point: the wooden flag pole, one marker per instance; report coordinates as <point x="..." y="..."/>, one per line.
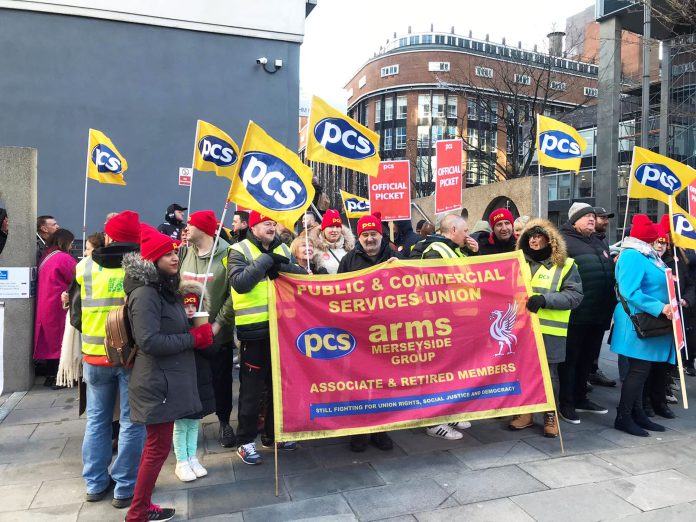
<point x="84" y="210"/>
<point x="212" y="253"/>
<point x="193" y="170"/>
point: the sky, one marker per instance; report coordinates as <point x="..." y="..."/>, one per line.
<point x="341" y="35"/>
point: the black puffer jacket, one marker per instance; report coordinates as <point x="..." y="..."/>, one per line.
<point x="406" y="237"/>
<point x="357" y="259"/>
<point x="163" y="385"/>
<point x="421" y="246"/>
<point x="489" y="244"/>
<point x="597" y="273"/>
<point x="171" y="227"/>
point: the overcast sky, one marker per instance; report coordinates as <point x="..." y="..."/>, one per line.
<point x="341" y="35"/>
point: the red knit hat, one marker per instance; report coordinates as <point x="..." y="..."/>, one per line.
<point x="154" y="244"/>
<point x="369" y="222"/>
<point x="205" y="221"/>
<point x="644" y="229"/>
<point x="500" y="214"/>
<point x="124" y="227"/>
<point x="331" y="219"/>
<point x="664" y="228"/>
<point x="255" y="218"/>
<point x="192" y="298"/>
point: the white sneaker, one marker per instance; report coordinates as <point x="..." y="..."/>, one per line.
<point x="184" y="472"/>
<point x="461" y="425"/>
<point x="197" y="468"/>
<point x="444" y="431"/>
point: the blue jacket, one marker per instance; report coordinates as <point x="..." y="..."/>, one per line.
<point x="642" y="284"/>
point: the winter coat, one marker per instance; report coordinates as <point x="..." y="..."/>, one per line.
<point x="357" y="259"/>
<point x="171" y="226"/>
<point x="597" y="273"/>
<point x="193" y="267"/>
<point x="56" y="273"/>
<point x="163" y="385"/>
<point x="406" y="237"/>
<point x="420" y="247"/>
<point x="568" y="297"/>
<point x="3" y="235"/>
<point x="641" y="281"/>
<point x="489" y="244"/>
<point x="326" y="254"/>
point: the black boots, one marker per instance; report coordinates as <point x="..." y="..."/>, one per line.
<point x="642" y="420"/>
<point x="626" y="423"/>
<point x="663" y="410"/>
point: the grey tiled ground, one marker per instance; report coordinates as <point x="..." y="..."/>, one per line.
<point x="491" y="474"/>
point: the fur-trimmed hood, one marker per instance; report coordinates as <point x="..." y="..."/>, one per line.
<point x="141" y="272"/>
<point x="559" y="253"/>
<point x="321" y="245"/>
<point x="189" y="286"/>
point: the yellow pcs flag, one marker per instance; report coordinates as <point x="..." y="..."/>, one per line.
<point x="683" y="226"/>
<point x="654" y="176"/>
<point x="271" y="179"/>
<point x="336" y="139"/>
<point x="104" y="162"/>
<point x="558" y="144"/>
<point x="215" y="151"/>
<point x="355" y="206"/>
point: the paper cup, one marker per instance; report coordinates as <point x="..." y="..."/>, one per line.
<point x="200" y="318"/>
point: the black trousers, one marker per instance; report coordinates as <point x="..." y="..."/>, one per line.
<point x="657" y="383"/>
<point x="254" y="378"/>
<point x="221" y="366"/>
<point x="583" y="345"/>
<point x="632" y="388"/>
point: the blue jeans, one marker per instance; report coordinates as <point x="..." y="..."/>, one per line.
<point x="103" y="383"/>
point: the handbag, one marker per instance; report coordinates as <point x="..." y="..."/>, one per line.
<point x="646" y="325"/>
<point x="119" y="342"/>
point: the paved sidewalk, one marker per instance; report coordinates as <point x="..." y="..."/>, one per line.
<point x="491" y="474"/>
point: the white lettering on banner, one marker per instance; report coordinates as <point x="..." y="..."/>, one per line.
<point x="550" y="142"/>
<point x="449" y="182"/>
<point x="389" y="196"/>
<point x="256" y="172"/>
<point x="653" y="174"/>
<point x="453" y="169"/>
<point x="389" y="186"/>
<point x="350" y="139"/>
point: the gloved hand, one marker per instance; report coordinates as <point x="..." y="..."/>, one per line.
<point x="272" y="272"/>
<point x="535" y="302"/>
<point x="278" y="259"/>
<point x="202" y="336"/>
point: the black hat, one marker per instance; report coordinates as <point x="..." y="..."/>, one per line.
<point x="174" y="206"/>
<point x="537" y="230"/>
<point x="601" y="211"/>
<point x="420" y="224"/>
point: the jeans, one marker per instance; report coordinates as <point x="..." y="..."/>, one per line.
<point x="103" y="383"/>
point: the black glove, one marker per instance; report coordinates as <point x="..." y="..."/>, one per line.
<point x="278" y="259"/>
<point x="272" y="272"/>
<point x="535" y="302"/>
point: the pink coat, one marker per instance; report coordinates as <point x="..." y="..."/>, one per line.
<point x="56" y="273"/>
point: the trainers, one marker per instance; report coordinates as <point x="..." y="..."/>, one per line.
<point x="155" y="512"/>
<point x="520" y="422"/>
<point x="600" y="379"/>
<point x="690" y="370"/>
<point x="444" y="431"/>
<point x="550" y="425"/>
<point x="184" y="472"/>
<point x="568" y="414"/>
<point x="226" y="435"/>
<point x="96" y="497"/>
<point x="461" y="425"/>
<point x="122" y="503"/>
<point x="382" y="441"/>
<point x="283" y="446"/>
<point x="670" y="398"/>
<point x="587" y="406"/>
<point x="197" y="468"/>
<point x="248" y="454"/>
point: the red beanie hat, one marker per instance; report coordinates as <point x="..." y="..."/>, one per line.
<point x="255" y="218"/>
<point x="331" y="219"/>
<point x="663" y="228"/>
<point x="369" y="222"/>
<point x="500" y="214"/>
<point x="124" y="227"/>
<point x="644" y="229"/>
<point x="205" y="221"/>
<point x="154" y="244"/>
<point x="193" y="299"/>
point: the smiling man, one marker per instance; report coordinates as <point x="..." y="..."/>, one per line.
<point x="501" y="239"/>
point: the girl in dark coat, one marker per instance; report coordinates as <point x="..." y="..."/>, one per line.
<point x="163" y="386"/>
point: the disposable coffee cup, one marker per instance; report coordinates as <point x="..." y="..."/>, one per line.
<point x="200" y="318"/>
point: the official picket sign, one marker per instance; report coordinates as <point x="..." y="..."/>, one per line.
<point x="405" y="344"/>
<point x="448" y="175"/>
<point x="184" y="177"/>
<point x="692" y="199"/>
<point x="390" y="190"/>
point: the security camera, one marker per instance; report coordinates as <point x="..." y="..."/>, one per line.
<point x="262" y="61"/>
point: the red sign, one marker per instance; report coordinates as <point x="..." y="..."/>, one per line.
<point x="405" y="344"/>
<point x="676" y="316"/>
<point x="692" y="199"/>
<point x="448" y="176"/>
<point x="184" y="177"/>
<point x="390" y="190"/>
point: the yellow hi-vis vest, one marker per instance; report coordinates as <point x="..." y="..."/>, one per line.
<point x="252" y="307"/>
<point x="101" y="290"/>
<point x="545" y="281"/>
<point x="444" y="250"/>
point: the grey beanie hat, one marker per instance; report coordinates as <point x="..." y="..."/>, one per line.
<point x="482" y="226"/>
<point x="577" y="210"/>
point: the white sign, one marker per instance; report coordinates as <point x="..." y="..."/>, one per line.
<point x="17" y="282"/>
<point x="184" y="176"/>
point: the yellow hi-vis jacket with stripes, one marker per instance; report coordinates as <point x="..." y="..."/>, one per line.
<point x="101" y="290"/>
<point x="444" y="250"/>
<point x="545" y="281"/>
<point x="252" y="307"/>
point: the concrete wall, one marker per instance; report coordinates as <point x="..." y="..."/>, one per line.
<point x="144" y="87"/>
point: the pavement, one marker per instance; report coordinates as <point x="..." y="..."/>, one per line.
<point x="492" y="474"/>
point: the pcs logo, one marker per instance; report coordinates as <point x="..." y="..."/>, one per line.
<point x="324" y="342"/>
<point x="683" y="227"/>
<point x="356" y="205"/>
<point x="217" y="151"/>
<point x="559" y="145"/>
<point x="659" y="177"/>
<point x="339" y="136"/>
<point x="106" y="159"/>
<point x="272" y="182"/>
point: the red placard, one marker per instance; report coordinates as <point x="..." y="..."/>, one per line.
<point x="390" y="190"/>
<point x="676" y="316"/>
<point x="184" y="177"/>
<point x="692" y="199"/>
<point x="448" y="176"/>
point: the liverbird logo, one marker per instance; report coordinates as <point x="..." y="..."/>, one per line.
<point x="501" y="328"/>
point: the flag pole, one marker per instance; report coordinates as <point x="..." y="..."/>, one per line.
<point x="306" y="234"/>
<point x="193" y="162"/>
<point x="676" y="272"/>
<point x="212" y="253"/>
<point x="539" y="185"/>
<point x="84" y="210"/>
<point x="628" y="196"/>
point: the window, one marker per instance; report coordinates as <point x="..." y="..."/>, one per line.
<point x="439" y="39"/>
<point x="471" y="109"/>
<point x="390" y="70"/>
<point x="589" y="136"/>
<point x="439" y="106"/>
<point x="590" y="92"/>
<point x="451" y="132"/>
<point x="558" y="86"/>
<point x="423" y="136"/>
<point x="413" y="40"/>
<point x="472" y="138"/>
<point x="438" y="66"/>
<point x="524" y="79"/>
<point x="452" y="107"/>
<point x="438" y="133"/>
<point x="349" y="93"/>
<point x="424" y="106"/>
<point x="494" y="111"/>
<point x="401" y="137"/>
<point x="387" y="141"/>
<point x="401" y="108"/>
<point x="378" y="111"/>
<point x="388" y="109"/>
<point x="361" y="82"/>
<point x="583" y="184"/>
<point x="427" y="38"/>
<point x="483" y="72"/>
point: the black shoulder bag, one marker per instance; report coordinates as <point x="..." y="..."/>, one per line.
<point x="646" y="325"/>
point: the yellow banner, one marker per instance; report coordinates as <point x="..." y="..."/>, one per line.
<point x="558" y="144"/>
<point x="683" y="226"/>
<point x="654" y="176"/>
<point x="271" y="179"/>
<point x="215" y="151"/>
<point x="336" y="139"/>
<point x="355" y="206"/>
<point x="104" y="162"/>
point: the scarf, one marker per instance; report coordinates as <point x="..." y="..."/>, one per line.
<point x="644" y="248"/>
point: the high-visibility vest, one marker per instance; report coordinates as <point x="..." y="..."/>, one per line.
<point x="252" y="307"/>
<point x="545" y="281"/>
<point x="444" y="250"/>
<point x="101" y="290"/>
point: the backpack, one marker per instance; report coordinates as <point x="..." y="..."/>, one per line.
<point x="119" y="343"/>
